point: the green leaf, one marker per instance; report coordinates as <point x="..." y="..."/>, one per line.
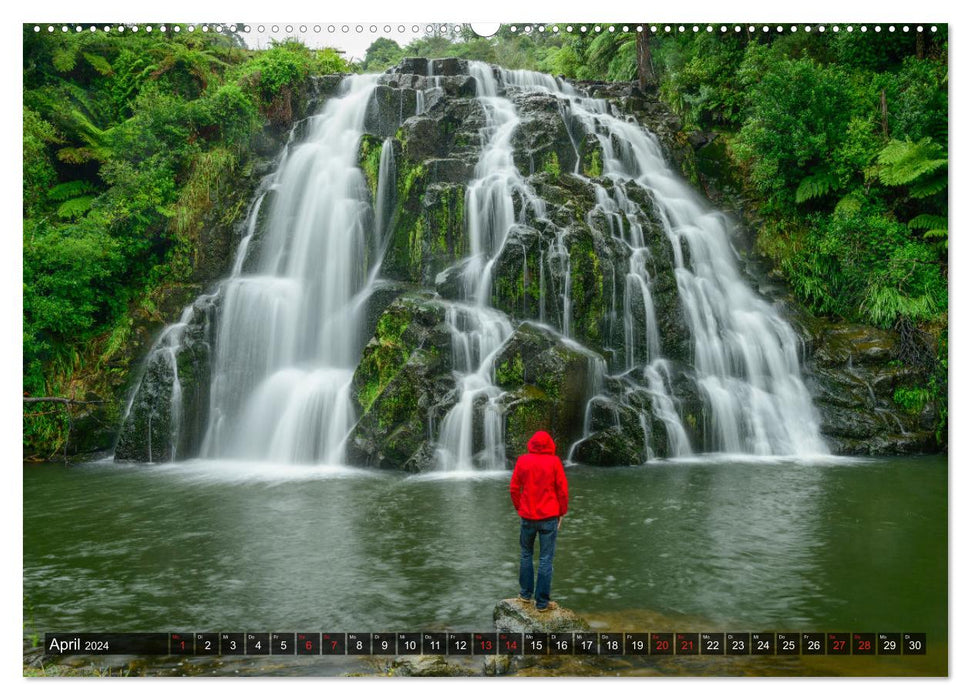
<point x="931" y="187"/>
<point x="928" y="221"/>
<point x="75" y="156"/>
<point x="850" y="204"/>
<point x="905" y="162"/>
<point x="68" y="190"/>
<point x="73" y="208"/>
<point x="814" y="186"/>
<point x="99" y="63"/>
<point x="65" y="58"/>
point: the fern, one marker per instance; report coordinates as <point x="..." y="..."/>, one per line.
<point x="69" y="190"/>
<point x="931" y="187"/>
<point x="928" y="221"/>
<point x="849" y="204"/>
<point x="882" y="304"/>
<point x="95" y="139"/>
<point x="99" y="63"/>
<point x="907" y="162"/>
<point x="73" y="208"/>
<point x="814" y="186"/>
<point x="65" y="58"/>
<point x="76" y="156"/>
<point x="934" y="226"/>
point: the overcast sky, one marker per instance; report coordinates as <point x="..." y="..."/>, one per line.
<point x="353" y="39"/>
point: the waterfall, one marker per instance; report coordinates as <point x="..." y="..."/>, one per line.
<point x="289" y="333"/>
<point x="282" y="336"/>
<point x="744" y="354"/>
<point x="383" y="205"/>
<point x="479" y="331"/>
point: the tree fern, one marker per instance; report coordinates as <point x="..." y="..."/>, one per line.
<point x="927" y="221"/>
<point x="931" y="186"/>
<point x="907" y="162"/>
<point x="65" y="58"/>
<point x="68" y="190"/>
<point x="934" y="226"/>
<point x="814" y="186"/>
<point x="99" y="63"/>
<point x="94" y="139"/>
<point x="849" y="204"/>
<point x="882" y="304"/>
<point x="75" y="207"/>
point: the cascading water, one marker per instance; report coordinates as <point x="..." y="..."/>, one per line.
<point x="289" y="333"/>
<point x="745" y="354"/>
<point x="284" y="333"/>
<point x="479" y="331"/>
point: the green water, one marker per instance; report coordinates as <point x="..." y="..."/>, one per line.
<point x="849" y="545"/>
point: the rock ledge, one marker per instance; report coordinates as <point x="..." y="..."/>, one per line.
<point x="514" y="615"/>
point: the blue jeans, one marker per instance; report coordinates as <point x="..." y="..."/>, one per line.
<point x="546" y="529"/>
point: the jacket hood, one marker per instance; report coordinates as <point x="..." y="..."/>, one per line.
<point x="541" y="443"/>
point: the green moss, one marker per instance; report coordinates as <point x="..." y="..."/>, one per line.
<point x="551" y="384"/>
<point x="447" y="221"/>
<point x="402" y="256"/>
<point x="911" y="399"/>
<point x="396" y="405"/>
<point x="510" y="372"/>
<point x="587" y="289"/>
<point x="593" y="162"/>
<point x="528" y="415"/>
<point x="384" y="357"/>
<point x="514" y="290"/>
<point x="551" y="165"/>
<point x="409" y="177"/>
<point x="370" y="161"/>
<point x="415" y="244"/>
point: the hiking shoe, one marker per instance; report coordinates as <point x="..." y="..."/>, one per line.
<point x="551" y="606"/>
<point x="525" y="600"/>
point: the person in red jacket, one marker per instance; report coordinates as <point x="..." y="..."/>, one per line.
<point x="539" y="493"/>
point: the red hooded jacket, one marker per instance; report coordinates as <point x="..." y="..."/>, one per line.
<point x="538" y="487"/>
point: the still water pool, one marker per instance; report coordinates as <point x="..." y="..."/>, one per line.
<point x="718" y="545"/>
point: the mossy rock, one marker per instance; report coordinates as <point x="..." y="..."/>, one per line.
<point x="541" y="142"/>
<point x="148" y="433"/>
<point x="611" y="447"/>
<point x="402" y="382"/>
<point x="387" y="109"/>
<point x="548" y="382"/>
<point x="516" y="275"/>
<point x="839" y="344"/>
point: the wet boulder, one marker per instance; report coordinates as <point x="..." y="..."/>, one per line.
<point x="401" y="385"/>
<point x="515" y="615"/>
<point x="548" y="380"/>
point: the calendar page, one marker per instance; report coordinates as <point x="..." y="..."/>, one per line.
<point x="415" y="348"/>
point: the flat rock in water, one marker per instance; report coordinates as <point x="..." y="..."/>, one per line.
<point x="514" y="615"/>
<point x="428" y="666"/>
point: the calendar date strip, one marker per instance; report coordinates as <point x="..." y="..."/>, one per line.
<point x="488" y="643"/>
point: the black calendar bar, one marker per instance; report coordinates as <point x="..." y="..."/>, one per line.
<point x="893" y="644"/>
<point x="86" y="644"/>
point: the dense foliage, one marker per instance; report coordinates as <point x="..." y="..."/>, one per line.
<point x="123" y="137"/>
<point x="842" y="139"/>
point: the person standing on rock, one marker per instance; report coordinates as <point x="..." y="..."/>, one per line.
<point x="539" y="494"/>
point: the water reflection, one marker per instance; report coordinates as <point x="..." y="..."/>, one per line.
<point x="757" y="545"/>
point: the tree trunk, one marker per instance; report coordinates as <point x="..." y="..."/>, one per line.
<point x="883" y="115"/>
<point x="645" y="69"/>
